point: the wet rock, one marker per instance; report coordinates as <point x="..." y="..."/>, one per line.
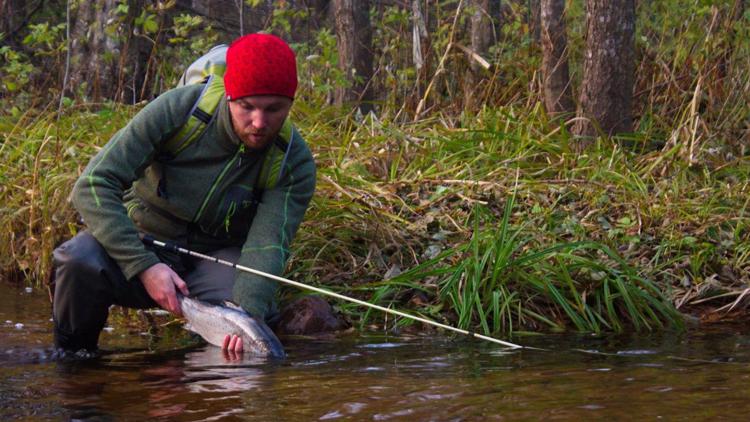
<point x="309" y="315"/>
<point x="63" y="355"/>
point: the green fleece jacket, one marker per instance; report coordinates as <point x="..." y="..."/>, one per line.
<point x="199" y="198"/>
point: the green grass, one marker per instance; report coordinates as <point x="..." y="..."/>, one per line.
<point x="499" y="226"/>
<point x="41" y="159"/>
<point x="591" y="242"/>
<point x="500" y="281"/>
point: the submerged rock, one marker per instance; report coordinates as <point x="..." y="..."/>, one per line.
<point x="309" y="315"/>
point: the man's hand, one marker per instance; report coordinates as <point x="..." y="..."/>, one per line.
<point x="232" y="347"/>
<point x="160" y="282"/>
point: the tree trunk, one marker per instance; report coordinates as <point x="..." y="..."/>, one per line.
<point x="482" y="34"/>
<point x="14" y="16"/>
<point x="535" y="20"/>
<point x="116" y="66"/>
<point x="93" y="52"/>
<point x="736" y="12"/>
<point x="10" y="12"/>
<point x="482" y="28"/>
<point x="320" y="13"/>
<point x="558" y="97"/>
<point x="225" y="14"/>
<point x="7" y="13"/>
<point x="354" y="40"/>
<point x="739" y="9"/>
<point x="421" y="52"/>
<point x="608" y="70"/>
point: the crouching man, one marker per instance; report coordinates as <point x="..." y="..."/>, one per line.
<point x="233" y="182"/>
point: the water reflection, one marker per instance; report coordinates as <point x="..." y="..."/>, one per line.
<point x="80" y="393"/>
<point x="157" y="385"/>
<point x="209" y="371"/>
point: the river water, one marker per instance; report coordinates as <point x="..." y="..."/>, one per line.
<point x="700" y="374"/>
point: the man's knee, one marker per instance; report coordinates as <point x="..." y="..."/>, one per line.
<point x="83" y="292"/>
<point x="83" y="268"/>
<point x="210" y="281"/>
<point x="82" y="253"/>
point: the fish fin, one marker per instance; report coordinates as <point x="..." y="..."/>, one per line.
<point x="231" y="305"/>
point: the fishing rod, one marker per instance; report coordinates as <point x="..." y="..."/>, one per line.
<point x="149" y="240"/>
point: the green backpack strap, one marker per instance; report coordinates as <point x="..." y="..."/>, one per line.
<point x="272" y="169"/>
<point x="203" y="112"/>
<point x="275" y="159"/>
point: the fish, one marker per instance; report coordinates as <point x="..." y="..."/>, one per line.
<point x="214" y="322"/>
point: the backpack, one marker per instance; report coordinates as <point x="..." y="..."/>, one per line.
<point x="209" y="70"/>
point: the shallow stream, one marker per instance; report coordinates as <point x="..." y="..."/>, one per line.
<point x="701" y="374"/>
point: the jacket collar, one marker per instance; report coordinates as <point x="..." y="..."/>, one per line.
<point x="230" y="140"/>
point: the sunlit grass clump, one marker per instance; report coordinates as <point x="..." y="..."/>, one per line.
<point x="41" y="157"/>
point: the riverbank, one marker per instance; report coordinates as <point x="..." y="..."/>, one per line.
<point x="491" y="222"/>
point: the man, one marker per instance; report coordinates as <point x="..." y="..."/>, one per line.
<point x="205" y="198"/>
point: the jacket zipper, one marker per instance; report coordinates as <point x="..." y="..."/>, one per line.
<point x="226" y="168"/>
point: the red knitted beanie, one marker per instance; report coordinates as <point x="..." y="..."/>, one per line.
<point x="260" y="64"/>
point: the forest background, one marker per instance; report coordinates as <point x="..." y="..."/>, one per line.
<point x="503" y="166"/>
